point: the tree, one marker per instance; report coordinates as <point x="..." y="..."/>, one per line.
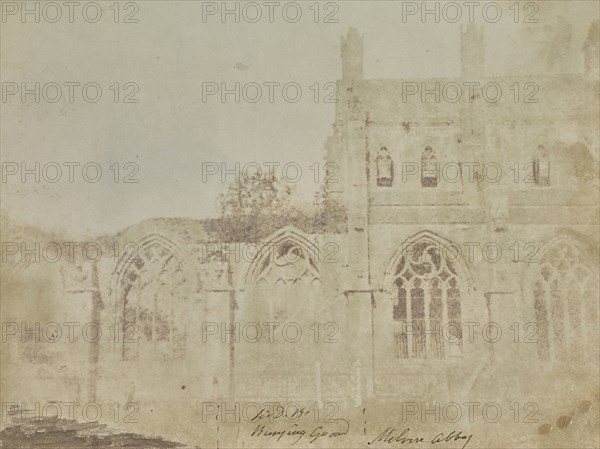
<point x="254" y="208"/>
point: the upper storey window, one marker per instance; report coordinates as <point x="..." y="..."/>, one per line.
<point x="429" y="168"/>
<point x="385" y="168"/>
<point x="541" y="167"/>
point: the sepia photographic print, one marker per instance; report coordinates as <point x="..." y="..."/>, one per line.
<point x="300" y="224"/>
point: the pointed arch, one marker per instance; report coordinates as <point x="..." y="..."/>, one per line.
<point x="133" y="252"/>
<point x="149" y="283"/>
<point x="446" y="248"/>
<point x="287" y="255"/>
<point x="561" y="292"/>
<point x="282" y="286"/>
<point x="428" y="283"/>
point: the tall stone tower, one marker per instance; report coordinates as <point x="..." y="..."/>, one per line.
<point x="472" y="60"/>
<point x="347" y="148"/>
<point x="352" y="56"/>
<point x="472" y="51"/>
<point x="591" y="50"/>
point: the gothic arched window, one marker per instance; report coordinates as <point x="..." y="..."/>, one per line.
<point x="429" y="168"/>
<point x="541" y="167"/>
<point x="385" y="168"/>
<point x="565" y="294"/>
<point x="284" y="295"/>
<point x="427" y="302"/>
<point x="287" y="282"/>
<point x="151" y="287"/>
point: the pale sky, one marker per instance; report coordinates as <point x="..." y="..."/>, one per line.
<point x="170" y="132"/>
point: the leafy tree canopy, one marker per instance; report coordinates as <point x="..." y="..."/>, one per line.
<point x="254" y="208"/>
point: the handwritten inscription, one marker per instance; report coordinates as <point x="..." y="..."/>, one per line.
<point x="391" y="435"/>
<point x="297" y="432"/>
